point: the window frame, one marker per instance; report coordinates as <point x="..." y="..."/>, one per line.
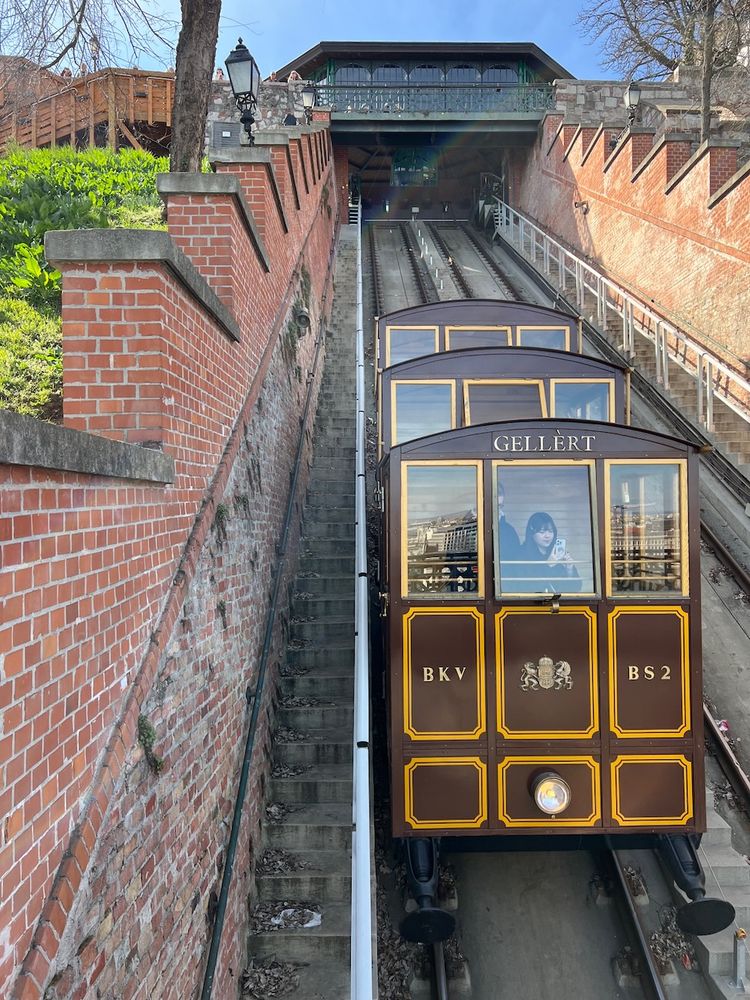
<point x="590" y="463"/>
<point x="490" y="329"/>
<point x="558" y="327"/>
<point x="471" y="596"/>
<point x="391" y="327"/>
<point x="420" y="381"/>
<point x="468" y="382"/>
<point x="682" y="482"/>
<point x="609" y="382"/>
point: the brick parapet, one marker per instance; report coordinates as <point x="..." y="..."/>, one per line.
<point x="96" y="571"/>
<point x="671" y="224"/>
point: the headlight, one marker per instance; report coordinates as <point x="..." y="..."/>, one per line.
<point x="551" y="793"/>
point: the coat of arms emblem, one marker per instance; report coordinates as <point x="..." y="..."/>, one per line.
<point x="546" y="675"/>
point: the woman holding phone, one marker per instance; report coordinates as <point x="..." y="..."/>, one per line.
<point x="545" y="564"/>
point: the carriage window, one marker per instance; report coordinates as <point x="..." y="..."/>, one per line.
<point x="583" y="400"/>
<point x="543" y="532"/>
<point x="457" y="337"/>
<point x="442" y="522"/>
<point x="405" y="343"/>
<point x="420" y="408"/>
<point x="509" y="399"/>
<point x="647" y="525"/>
<point x="555" y="337"/>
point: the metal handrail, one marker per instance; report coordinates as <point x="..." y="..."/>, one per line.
<point x="714" y="378"/>
<point x="361" y="928"/>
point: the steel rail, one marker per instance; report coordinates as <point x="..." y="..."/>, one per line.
<point x="490" y="263"/>
<point x="455" y="270"/>
<point x="362" y="964"/>
<point x="257" y="694"/>
<point x="377" y="286"/>
<point x="648" y="961"/>
<point x="428" y="292"/>
<point x="441" y="975"/>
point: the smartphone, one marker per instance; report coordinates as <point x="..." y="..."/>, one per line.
<point x="558" y="549"/>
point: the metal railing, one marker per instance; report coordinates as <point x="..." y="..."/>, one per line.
<point x="362" y="942"/>
<point x="714" y="378"/>
<point x="367" y="98"/>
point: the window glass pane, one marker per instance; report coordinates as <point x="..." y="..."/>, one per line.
<point x="459" y="339"/>
<point x="530" y="336"/>
<point x="352" y="73"/>
<point x="388" y="74"/>
<point x="500" y="74"/>
<point x="645" y="528"/>
<point x="441" y="526"/>
<point x="426" y="74"/>
<point x="406" y="344"/>
<point x="420" y="410"/>
<point x="543" y="529"/>
<point x="462" y="74"/>
<point x="509" y="401"/>
<point x="581" y="400"/>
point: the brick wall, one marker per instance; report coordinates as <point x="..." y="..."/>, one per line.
<point x="671" y="224"/>
<point x="124" y="597"/>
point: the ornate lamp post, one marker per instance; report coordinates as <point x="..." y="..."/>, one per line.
<point x="244" y="77"/>
<point x="308" y="102"/>
<point x="632" y="98"/>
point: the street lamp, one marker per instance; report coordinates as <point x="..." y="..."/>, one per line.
<point x="632" y="98"/>
<point x="308" y="101"/>
<point x="244" y="77"/>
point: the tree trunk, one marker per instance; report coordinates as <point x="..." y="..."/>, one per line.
<point x="707" y="68"/>
<point x="194" y="66"/>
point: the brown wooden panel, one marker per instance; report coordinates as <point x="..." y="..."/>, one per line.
<point x="546" y="673"/>
<point x="444" y="674"/>
<point x="649" y="672"/>
<point x="445" y="793"/>
<point x="651" y="790"/>
<point x="516" y="804"/>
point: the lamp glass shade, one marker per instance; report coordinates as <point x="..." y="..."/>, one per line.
<point x="632" y="95"/>
<point x="244" y="75"/>
<point x="308" y="97"/>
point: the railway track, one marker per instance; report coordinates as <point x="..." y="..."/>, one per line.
<point x="452" y="241"/>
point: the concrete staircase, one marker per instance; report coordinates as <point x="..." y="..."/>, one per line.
<point x="308" y="829"/>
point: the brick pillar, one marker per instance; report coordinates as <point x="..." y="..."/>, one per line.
<point x="678" y="152"/>
<point x="722" y="164"/>
<point x="641" y="144"/>
<point x="587" y="137"/>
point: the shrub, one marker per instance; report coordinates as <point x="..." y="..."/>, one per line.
<point x="30" y="360"/>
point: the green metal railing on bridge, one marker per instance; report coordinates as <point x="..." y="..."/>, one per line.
<point x="477" y="98"/>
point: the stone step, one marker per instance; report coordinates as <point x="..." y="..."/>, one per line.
<point x="326" y="878"/>
<point x="316" y="557"/>
<point x="324" y="586"/>
<point x="319" y="606"/>
<point x="729" y="868"/>
<point x="330" y="511"/>
<point x="316" y="684"/>
<point x="316" y="527"/>
<point x="314" y="786"/>
<point x="319" y="825"/>
<point x="316" y="753"/>
<point x="314" y="718"/>
<point x="329" y="940"/>
<point x="718" y="832"/>
<point x="335" y="656"/>
<point x="714" y="952"/>
<point x="323" y="630"/>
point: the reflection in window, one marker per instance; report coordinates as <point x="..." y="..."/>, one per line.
<point x="489" y="401"/>
<point x="543" y="528"/>
<point x="500" y="74"/>
<point x="462" y="74"/>
<point x="421" y="408"/>
<point x="539" y="336"/>
<point x="389" y="73"/>
<point x="405" y="343"/>
<point x="582" y="400"/>
<point x="645" y="515"/>
<point x="426" y="74"/>
<point x="458" y="338"/>
<point x="442" y="555"/>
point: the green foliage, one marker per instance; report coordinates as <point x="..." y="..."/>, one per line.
<point x="43" y="189"/>
<point x="147" y="738"/>
<point x="30" y="360"/>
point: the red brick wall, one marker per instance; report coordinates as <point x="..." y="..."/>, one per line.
<point x="113" y="592"/>
<point x="677" y="244"/>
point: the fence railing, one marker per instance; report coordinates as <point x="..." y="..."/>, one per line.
<point x="362" y="958"/>
<point x="366" y="98"/>
<point x="714" y="379"/>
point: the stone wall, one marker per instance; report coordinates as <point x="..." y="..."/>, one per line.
<point x="135" y="599"/>
<point x="276" y="102"/>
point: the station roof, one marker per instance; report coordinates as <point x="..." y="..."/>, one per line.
<point x="319" y="54"/>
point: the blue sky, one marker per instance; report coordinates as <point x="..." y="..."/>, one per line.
<point x="276" y="32"/>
